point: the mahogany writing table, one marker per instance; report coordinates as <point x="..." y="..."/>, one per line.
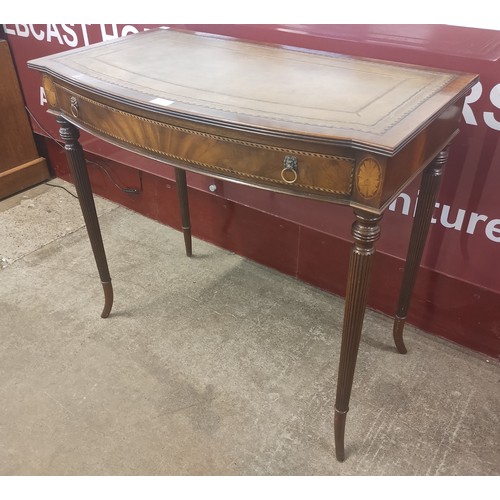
<point x="335" y="128"/>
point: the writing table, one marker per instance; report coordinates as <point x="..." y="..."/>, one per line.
<point x="330" y="127"/>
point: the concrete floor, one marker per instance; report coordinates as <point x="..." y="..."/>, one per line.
<point x="213" y="365"/>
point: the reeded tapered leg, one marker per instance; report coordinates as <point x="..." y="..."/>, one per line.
<point x="180" y="178"/>
<point x="429" y="189"/>
<point x="74" y="153"/>
<point x="366" y="231"/>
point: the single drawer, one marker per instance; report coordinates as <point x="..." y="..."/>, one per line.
<point x="249" y="162"/>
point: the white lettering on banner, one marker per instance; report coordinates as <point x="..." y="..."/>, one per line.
<point x="451" y="219"/>
<point x="22" y="30"/>
<point x="39" y="36"/>
<point x="85" y="34"/>
<point x="126" y="30"/>
<point x="129" y="30"/>
<point x="473" y="220"/>
<point x="71" y="35"/>
<point x="43" y="98"/>
<point x="475" y="94"/>
<point x="493" y="227"/>
<point x="52" y="31"/>
<point x="65" y="35"/>
<point x="104" y="33"/>
<point x="488" y="116"/>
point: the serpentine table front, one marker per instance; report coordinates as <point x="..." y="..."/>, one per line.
<point x="318" y="125"/>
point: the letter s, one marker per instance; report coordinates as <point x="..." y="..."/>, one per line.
<point x="72" y="39"/>
<point x="489" y="117"/>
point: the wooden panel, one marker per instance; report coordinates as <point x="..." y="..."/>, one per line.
<point x="23" y="176"/>
<point x="20" y="165"/>
<point x="16" y="142"/>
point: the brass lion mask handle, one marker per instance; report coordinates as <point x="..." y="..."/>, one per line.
<point x="289" y="174"/>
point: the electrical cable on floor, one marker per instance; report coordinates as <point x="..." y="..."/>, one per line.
<point x="91" y="162"/>
<point x="123" y="189"/>
<point x="62" y="187"/>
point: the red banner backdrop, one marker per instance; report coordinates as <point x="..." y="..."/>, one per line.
<point x="458" y="293"/>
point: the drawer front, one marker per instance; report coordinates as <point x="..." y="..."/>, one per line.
<point x="249" y="162"/>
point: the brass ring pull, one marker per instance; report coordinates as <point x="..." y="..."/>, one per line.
<point x="290" y="167"/>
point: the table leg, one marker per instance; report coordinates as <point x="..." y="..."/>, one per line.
<point x="74" y="153"/>
<point x="180" y="178"/>
<point x="366" y="232"/>
<point x="429" y="188"/>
